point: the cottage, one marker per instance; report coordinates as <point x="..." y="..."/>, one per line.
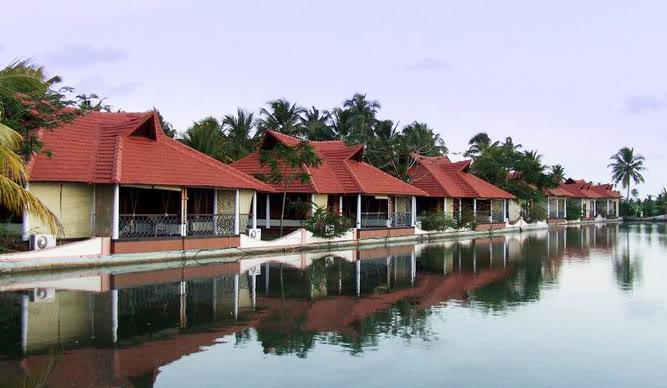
<point x="342" y="183"/>
<point x="118" y="175"/>
<point x="593" y="200"/>
<point x="452" y="189"/>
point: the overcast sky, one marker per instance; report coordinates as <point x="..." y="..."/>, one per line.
<point x="575" y="80"/>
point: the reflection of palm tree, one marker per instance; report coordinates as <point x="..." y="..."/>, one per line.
<point x="626" y="268"/>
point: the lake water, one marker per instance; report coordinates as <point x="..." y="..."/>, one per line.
<point x="582" y="306"/>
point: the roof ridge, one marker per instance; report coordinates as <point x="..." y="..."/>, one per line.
<point x="311" y="182"/>
<point x="354" y="177"/>
<point x="117" y="159"/>
<point x="430" y="172"/>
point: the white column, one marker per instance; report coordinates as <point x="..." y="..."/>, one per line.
<point x="115" y="218"/>
<point x="25" y="222"/>
<point x="616" y="207"/>
<point x="340" y="205"/>
<point x="565" y="208"/>
<point x="388" y="211"/>
<point x="268" y="211"/>
<point x="254" y="210"/>
<point x="608" y="206"/>
<point x="582" y="209"/>
<point x="460" y="208"/>
<point x="548" y="207"/>
<point x="413" y="210"/>
<point x="237" y="216"/>
<point x="445" y="206"/>
<point x="215" y="211"/>
<point x="312" y="205"/>
<point x="505" y="210"/>
<point x="557" y="207"/>
<point x="184" y="211"/>
<point x="474" y="208"/>
<point x="358" y="211"/>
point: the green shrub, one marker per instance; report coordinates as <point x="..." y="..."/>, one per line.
<point x="325" y="224"/>
<point x="437" y="221"/>
<point x="467" y="219"/>
<point x="573" y="210"/>
<point x="535" y="211"/>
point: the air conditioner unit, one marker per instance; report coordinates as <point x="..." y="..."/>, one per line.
<point x="43" y="295"/>
<point x="42" y="241"/>
<point x="255" y="233"/>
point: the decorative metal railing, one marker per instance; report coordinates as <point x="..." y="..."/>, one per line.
<point x="160" y="225"/>
<point x="486" y="216"/>
<point x="401" y="220"/>
<point x="210" y="224"/>
<point x="374" y="220"/>
<point x="149" y="225"/>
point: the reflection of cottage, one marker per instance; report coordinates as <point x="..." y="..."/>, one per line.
<point x="117" y="175"/>
<point x="593" y="200"/>
<point x="343" y="183"/>
<point x="452" y="189"/>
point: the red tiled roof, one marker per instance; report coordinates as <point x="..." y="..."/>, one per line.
<point x="128" y="148"/>
<point x="341" y="170"/>
<point x="579" y="188"/>
<point x="439" y="177"/>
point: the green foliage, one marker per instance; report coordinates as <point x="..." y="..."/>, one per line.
<point x="206" y="136"/>
<point x="535" y="211"/>
<point x="238" y="132"/>
<point x="467" y="219"/>
<point x="281" y="116"/>
<point x="507" y="166"/>
<point x="573" y="210"/>
<point x="437" y="221"/>
<point x="326" y="224"/>
<point x="626" y="167"/>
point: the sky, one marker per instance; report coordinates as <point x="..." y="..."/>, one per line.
<point x="574" y="80"/>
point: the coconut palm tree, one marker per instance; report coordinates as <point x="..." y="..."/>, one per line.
<point x="357" y="119"/>
<point x="557" y="174"/>
<point x="626" y="167"/>
<point x="281" y="116"/>
<point x="316" y="125"/>
<point x="238" y="129"/>
<point x="478" y="144"/>
<point x="206" y="136"/>
<point x="13" y="173"/>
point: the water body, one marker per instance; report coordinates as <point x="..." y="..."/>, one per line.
<point x="583" y="306"/>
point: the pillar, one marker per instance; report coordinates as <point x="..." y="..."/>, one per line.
<point x="237" y="215"/>
<point x="215" y="211"/>
<point x="557" y="207"/>
<point x="474" y="208"/>
<point x="445" y="206"/>
<point x="340" y="205"/>
<point x="115" y="218"/>
<point x="565" y="208"/>
<point x="268" y="211"/>
<point x="548" y="207"/>
<point x="460" y="208"/>
<point x="505" y="210"/>
<point x="358" y="211"/>
<point x="184" y="211"/>
<point x="25" y="225"/>
<point x="254" y="210"/>
<point x="313" y="207"/>
<point x="413" y="211"/>
<point x="388" y="211"/>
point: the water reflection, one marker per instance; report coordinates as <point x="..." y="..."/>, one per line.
<point x="120" y="327"/>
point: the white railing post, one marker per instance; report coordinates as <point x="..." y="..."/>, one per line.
<point x="115" y="218"/>
<point x="237" y="216"/>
